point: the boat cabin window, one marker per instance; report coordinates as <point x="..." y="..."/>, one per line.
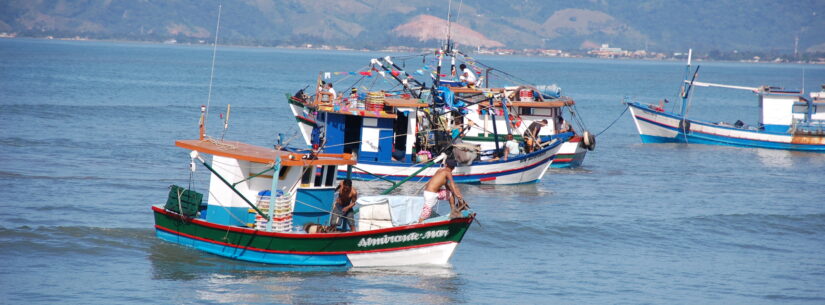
<point x="332" y="170"/>
<point x="800" y="108"/>
<point x="525" y="111"/>
<point x="282" y="173"/>
<point x="306" y="177"/>
<point x="319" y="176"/>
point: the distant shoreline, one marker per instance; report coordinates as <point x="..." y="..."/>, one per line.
<point x="406" y="50"/>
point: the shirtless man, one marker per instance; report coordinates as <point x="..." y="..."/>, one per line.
<point x="442" y="178"/>
<point x="347" y="196"/>
<point x="531" y="136"/>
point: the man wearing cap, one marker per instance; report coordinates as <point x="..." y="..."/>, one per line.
<point x="442" y="178"/>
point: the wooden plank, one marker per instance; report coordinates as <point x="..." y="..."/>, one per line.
<point x="475" y="90"/>
<point x="405" y="103"/>
<point x="259" y="154"/>
<point x="551" y="104"/>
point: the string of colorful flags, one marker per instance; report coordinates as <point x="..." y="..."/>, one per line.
<point x="425" y="69"/>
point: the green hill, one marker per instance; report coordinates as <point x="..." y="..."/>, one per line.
<point x="658" y="25"/>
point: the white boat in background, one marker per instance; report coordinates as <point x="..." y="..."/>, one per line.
<point x="528" y="109"/>
<point x="787" y="120"/>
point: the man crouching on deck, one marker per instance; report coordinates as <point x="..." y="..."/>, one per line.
<point x="442" y="178"/>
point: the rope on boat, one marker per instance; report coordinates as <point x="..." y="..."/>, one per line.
<point x="212" y="74"/>
<point x="357" y="142"/>
<point x="220" y="143"/>
<point x="408" y="167"/>
<point x="614" y="121"/>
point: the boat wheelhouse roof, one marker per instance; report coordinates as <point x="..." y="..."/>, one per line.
<point x="253" y="153"/>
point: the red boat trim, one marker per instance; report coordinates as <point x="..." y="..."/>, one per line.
<point x="314" y="235"/>
<point x="308" y="120"/>
<point x="299" y="252"/>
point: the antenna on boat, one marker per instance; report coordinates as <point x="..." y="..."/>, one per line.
<point x="212" y="74"/>
<point x="226" y="120"/>
<point x="449" y="24"/>
<point x="460" y="3"/>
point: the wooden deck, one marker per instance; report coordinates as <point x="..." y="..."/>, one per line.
<point x="259" y="154"/>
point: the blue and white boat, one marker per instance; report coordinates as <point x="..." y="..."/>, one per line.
<point x="396" y="126"/>
<point x="389" y="145"/>
<point x="787" y="120"/>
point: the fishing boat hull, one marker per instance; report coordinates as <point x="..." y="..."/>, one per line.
<point x="528" y="168"/>
<point x="429" y="243"/>
<point x="570" y="153"/>
<point x="664" y="127"/>
<point x="304" y="117"/>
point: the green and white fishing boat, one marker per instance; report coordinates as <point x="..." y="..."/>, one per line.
<point x="240" y="220"/>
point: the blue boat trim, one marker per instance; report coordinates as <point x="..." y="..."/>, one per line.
<point x="253" y="255"/>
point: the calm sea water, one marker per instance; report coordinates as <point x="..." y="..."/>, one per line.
<point x="86" y="146"/>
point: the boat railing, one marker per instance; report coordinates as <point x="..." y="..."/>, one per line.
<point x="811" y="127"/>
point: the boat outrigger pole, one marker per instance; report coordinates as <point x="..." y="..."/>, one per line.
<point x="426" y="165"/>
<point x="495" y="129"/>
<point x="272" y="191"/>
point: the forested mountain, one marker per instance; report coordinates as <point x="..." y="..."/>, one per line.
<point x="658" y="25"/>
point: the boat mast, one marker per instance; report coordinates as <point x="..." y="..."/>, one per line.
<point x="685" y="87"/>
<point x="444" y="50"/>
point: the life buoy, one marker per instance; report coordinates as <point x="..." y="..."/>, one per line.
<point x="588" y="141"/>
<point x="516" y="120"/>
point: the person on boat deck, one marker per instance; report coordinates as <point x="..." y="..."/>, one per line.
<point x="563" y="126"/>
<point x="531" y="136"/>
<point x="467" y="76"/>
<point x="353" y="98"/>
<point x="329" y="89"/>
<point x="347" y="196"/>
<point x="458" y="129"/>
<point x="510" y="147"/>
<point x="441" y="183"/>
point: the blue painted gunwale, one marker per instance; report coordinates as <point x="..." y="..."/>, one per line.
<point x="475" y="178"/>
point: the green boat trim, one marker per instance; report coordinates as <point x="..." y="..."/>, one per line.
<point x="389" y="239"/>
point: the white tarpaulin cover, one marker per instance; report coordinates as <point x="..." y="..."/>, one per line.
<point x="403" y="210"/>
